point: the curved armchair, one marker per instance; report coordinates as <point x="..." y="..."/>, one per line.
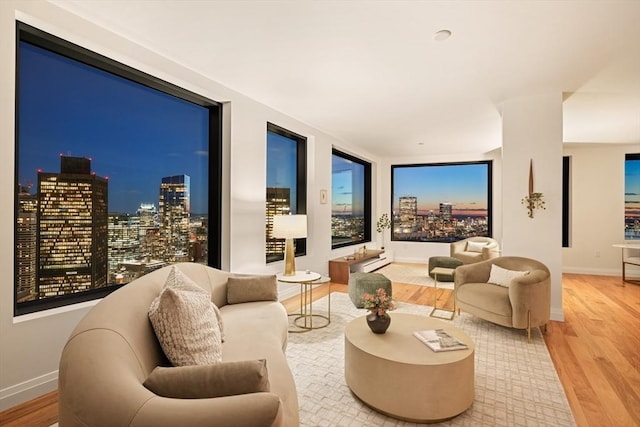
<point x="475" y="249"/>
<point x="522" y="303"/>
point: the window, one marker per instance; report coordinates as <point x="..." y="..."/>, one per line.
<point x="442" y="202"/>
<point x="286" y="185"/>
<point x="113" y="174"/>
<point x="566" y="206"/>
<point x="632" y="197"/>
<point x="350" y="200"/>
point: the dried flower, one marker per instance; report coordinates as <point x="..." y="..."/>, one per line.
<point x="379" y="303"/>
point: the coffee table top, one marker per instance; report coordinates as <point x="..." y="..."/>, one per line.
<point x="399" y="344"/>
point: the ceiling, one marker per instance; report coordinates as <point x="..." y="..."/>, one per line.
<point x="371" y="74"/>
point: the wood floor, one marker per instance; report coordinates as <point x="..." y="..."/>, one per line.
<point x="596" y="351"/>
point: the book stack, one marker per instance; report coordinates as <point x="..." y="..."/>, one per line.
<point x="439" y="340"/>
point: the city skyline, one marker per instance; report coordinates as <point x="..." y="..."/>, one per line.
<point x="465" y="186"/>
<point x="133" y="135"/>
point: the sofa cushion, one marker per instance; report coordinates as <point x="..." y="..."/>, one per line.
<point x="251" y="288"/>
<point x="185" y="322"/>
<point x="205" y="381"/>
<point x="475" y="246"/>
<point x="503" y="277"/>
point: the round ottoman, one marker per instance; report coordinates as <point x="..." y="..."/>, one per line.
<point x="446" y="262"/>
<point x="366" y="283"/>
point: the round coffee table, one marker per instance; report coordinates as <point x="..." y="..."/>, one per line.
<point x="397" y="375"/>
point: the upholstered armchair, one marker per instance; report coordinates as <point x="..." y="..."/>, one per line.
<point x="475" y="249"/>
<point x="510" y="291"/>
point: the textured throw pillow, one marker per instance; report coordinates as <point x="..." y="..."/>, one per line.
<point x="475" y="246"/>
<point x="201" y="382"/>
<point x="503" y="277"/>
<point x="185" y="322"/>
<point x="251" y="288"/>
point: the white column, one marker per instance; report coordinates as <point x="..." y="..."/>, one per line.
<point x="532" y="129"/>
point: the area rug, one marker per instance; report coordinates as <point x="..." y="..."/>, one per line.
<point x="411" y="274"/>
<point x="515" y="382"/>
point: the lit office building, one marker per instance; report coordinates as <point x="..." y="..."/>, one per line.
<point x="150" y="247"/>
<point x="278" y="203"/>
<point x="174" y="217"/>
<point x="72" y="229"/>
<point x="446" y="211"/>
<point x="26" y="244"/>
<point x="124" y="240"/>
<point x="408" y="210"/>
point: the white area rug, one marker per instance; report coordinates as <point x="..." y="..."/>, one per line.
<point x="411" y="274"/>
<point x="515" y="382"/>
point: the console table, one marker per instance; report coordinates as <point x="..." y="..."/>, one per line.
<point x="630" y="255"/>
<point x="370" y="260"/>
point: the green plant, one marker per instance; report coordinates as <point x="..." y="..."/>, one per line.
<point x="383" y="223"/>
<point x="533" y="201"/>
<point x="379" y="303"/>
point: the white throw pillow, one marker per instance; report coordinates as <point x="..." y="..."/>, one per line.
<point x="185" y="322"/>
<point x="503" y="277"/>
<point x="475" y="246"/>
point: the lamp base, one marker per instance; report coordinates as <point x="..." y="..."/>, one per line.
<point x="289" y="258"/>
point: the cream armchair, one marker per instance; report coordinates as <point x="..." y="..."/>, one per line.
<point x="475" y="249"/>
<point x="522" y="302"/>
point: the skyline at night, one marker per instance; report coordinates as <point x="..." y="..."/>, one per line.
<point x="133" y="135"/>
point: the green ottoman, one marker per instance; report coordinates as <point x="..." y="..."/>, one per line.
<point x="366" y="283"/>
<point x="446" y="262"/>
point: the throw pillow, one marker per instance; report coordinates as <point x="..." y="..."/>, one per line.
<point x="184" y="320"/>
<point x="475" y="246"/>
<point x="201" y="382"/>
<point x="251" y="288"/>
<point x="503" y="277"/>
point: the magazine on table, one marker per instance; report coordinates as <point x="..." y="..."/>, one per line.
<point x="439" y="340"/>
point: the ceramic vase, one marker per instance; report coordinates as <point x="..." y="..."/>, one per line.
<point x="378" y="324"/>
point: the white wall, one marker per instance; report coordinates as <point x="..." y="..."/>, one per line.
<point x="597" y="208"/>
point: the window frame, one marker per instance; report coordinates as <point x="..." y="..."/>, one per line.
<point x="41" y="39"/>
<point x="489" y="180"/>
<point x="301" y="190"/>
<point x="366" y="198"/>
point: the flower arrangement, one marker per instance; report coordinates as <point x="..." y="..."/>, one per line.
<point x="533" y="201"/>
<point x="379" y="303"/>
<point x="383" y="223"/>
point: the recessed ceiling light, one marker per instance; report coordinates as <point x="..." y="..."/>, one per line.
<point x="420" y="143"/>
<point x="442" y="35"/>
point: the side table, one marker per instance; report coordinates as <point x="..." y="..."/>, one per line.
<point x="304" y="318"/>
<point x="439" y="311"/>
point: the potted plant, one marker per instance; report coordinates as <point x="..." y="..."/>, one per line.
<point x="383" y="223"/>
<point x="379" y="305"/>
<point x="533" y="201"/>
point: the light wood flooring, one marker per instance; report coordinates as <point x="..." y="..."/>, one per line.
<point x="596" y="351"/>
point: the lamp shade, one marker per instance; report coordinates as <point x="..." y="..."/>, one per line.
<point x="289" y="226"/>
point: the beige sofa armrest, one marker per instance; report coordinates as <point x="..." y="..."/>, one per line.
<point x="490" y="251"/>
<point x="247" y="410"/>
<point x="531" y="294"/>
<point x="472" y="273"/>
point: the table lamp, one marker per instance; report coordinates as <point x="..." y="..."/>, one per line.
<point x="289" y="227"/>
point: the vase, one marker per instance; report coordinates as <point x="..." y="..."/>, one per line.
<point x="378" y="324"/>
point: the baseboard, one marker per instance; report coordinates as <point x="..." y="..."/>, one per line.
<point x="28" y="390"/>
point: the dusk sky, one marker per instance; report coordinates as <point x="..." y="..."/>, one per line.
<point x="281" y="164"/>
<point x="134" y="135"/>
<point x="465" y="186"/>
<point x="344" y="198"/>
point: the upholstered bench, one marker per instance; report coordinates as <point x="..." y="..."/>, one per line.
<point x="366" y="283"/>
<point x="443" y="261"/>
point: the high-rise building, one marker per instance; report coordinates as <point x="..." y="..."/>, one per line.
<point x="446" y="211"/>
<point x="26" y="244"/>
<point x="72" y="229"/>
<point x="124" y="240"/>
<point x="278" y="203"/>
<point x="408" y="210"/>
<point x="150" y="247"/>
<point x="175" y="210"/>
